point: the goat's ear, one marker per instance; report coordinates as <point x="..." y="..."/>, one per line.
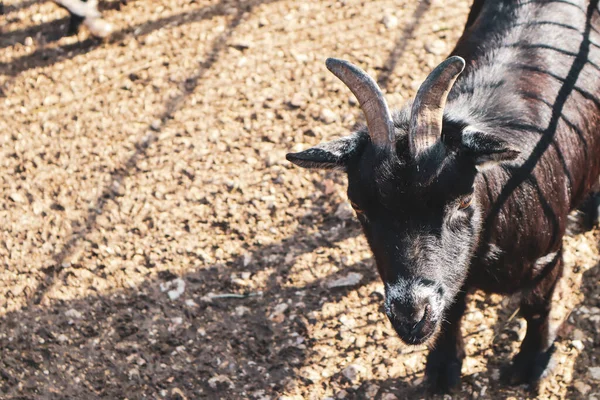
<point x="330" y="155"/>
<point x="486" y="150"/>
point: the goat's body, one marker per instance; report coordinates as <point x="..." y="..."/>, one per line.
<point x="472" y="190"/>
<point x="533" y="79"/>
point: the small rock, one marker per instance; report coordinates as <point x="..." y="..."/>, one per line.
<point x="579" y="335"/>
<point x="17" y="197"/>
<point x="342" y="394"/>
<point x="240" y="311"/>
<point x="263" y="22"/>
<point x="483" y="391"/>
<point x="353" y="372"/>
<point x="389" y="396"/>
<point x="328" y="187"/>
<point x="298" y="100"/>
<point x="62" y="338"/>
<point x="328" y="116"/>
<point x="179" y="289"/>
<point x="361" y="341"/>
<point x="243" y="44"/>
<point x="280" y="308"/>
<point x="178" y="286"/>
<point x="495" y="374"/>
<point x="191" y="303"/>
<point x="390" y="21"/>
<point x="134" y="373"/>
<point x="437" y="47"/>
<point x="73" y="313"/>
<point x="578" y="344"/>
<point x="50" y="100"/>
<point x="247" y="259"/>
<point x="594" y="373"/>
<point x="344" y="211"/>
<point x="352" y="279"/>
<point x="219" y="381"/>
<point x="371" y="391"/>
<point x="417" y="382"/>
<point x="155" y="125"/>
<point x="28" y="41"/>
<point x="98" y="27"/>
<point x="582" y="387"/>
<point x="278" y="315"/>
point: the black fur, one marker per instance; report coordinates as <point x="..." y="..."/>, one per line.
<point x="486" y="207"/>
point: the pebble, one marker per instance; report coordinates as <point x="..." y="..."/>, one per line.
<point x="328" y="187"/>
<point x="298" y="100"/>
<point x="327" y="116"/>
<point x="178" y="286"/>
<point x="353" y="372"/>
<point x="582" y="387"/>
<point x="191" y="303"/>
<point x="390" y="21"/>
<point x="240" y="311"/>
<point x="361" y="341"/>
<point x="218" y="380"/>
<point x="578" y="344"/>
<point x="389" y="396"/>
<point x="98" y="27"/>
<point x="247" y="259"/>
<point x="495" y="374"/>
<point x="73" y="313"/>
<point x="278" y="315"/>
<point x="155" y="125"/>
<point x="437" y="47"/>
<point x="179" y="289"/>
<point x="579" y="335"/>
<point x="352" y="279"/>
<point x="17" y="197"/>
<point x="50" y="100"/>
<point x="371" y="391"/>
<point x="344" y="211"/>
<point x="594" y="373"/>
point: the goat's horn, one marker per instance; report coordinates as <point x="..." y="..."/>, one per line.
<point x="428" y="108"/>
<point x="370" y="98"/>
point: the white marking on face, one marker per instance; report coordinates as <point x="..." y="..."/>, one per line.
<point x="412" y="291"/>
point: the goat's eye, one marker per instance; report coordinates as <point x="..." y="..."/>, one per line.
<point x="465" y="202"/>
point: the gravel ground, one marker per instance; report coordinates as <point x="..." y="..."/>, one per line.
<point x="143" y="178"/>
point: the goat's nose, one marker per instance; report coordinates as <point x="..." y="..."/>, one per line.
<point x="411" y="314"/>
<point x="411" y="319"/>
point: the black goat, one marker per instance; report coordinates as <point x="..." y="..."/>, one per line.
<point x="469" y="187"/>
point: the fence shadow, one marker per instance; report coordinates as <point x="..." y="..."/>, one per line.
<point x="140" y="341"/>
<point x="44" y="57"/>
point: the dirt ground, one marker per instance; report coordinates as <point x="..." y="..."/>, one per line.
<point x="142" y="178"/>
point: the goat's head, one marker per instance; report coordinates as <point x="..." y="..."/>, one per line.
<point x="412" y="182"/>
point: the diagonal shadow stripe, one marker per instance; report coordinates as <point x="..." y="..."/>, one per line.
<point x="121" y="173"/>
<point x="401" y="43"/>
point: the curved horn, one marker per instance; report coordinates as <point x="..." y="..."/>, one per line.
<point x="370" y="98"/>
<point x="428" y="108"/>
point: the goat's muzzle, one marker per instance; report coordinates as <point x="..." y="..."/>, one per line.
<point x="414" y="320"/>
